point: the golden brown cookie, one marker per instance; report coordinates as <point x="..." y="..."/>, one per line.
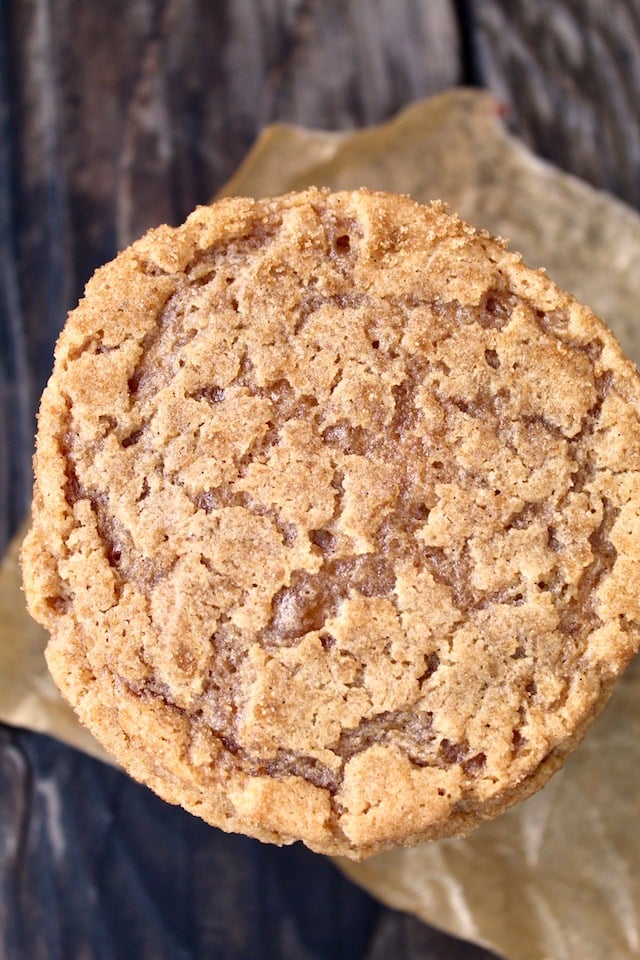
<point x="336" y="519"/>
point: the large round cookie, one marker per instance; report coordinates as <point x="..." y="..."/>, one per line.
<point x="336" y="519"/>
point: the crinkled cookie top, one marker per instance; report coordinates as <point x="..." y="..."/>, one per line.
<point x="336" y="518"/>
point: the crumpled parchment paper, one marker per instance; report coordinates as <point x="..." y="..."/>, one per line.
<point x="557" y="877"/>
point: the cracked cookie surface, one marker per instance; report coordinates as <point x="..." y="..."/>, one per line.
<point x="336" y="519"/>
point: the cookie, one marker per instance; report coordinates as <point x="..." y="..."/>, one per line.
<point x="336" y="519"/>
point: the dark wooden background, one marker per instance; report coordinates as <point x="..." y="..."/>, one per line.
<point x="116" y="115"/>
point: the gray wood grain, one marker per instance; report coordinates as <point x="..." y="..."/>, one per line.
<point x="16" y="402"/>
<point x="570" y="75"/>
<point x="94" y="866"/>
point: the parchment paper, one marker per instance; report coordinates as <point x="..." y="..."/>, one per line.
<point x="558" y="877"/>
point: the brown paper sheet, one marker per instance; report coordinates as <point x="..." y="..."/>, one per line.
<point x="558" y="877"/>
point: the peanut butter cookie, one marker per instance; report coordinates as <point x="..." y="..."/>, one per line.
<point x="336" y="519"/>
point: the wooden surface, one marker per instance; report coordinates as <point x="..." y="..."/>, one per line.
<point x="115" y="116"/>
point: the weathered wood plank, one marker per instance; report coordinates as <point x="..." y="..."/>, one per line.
<point x="16" y="401"/>
<point x="570" y="72"/>
<point x="94" y="865"/>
